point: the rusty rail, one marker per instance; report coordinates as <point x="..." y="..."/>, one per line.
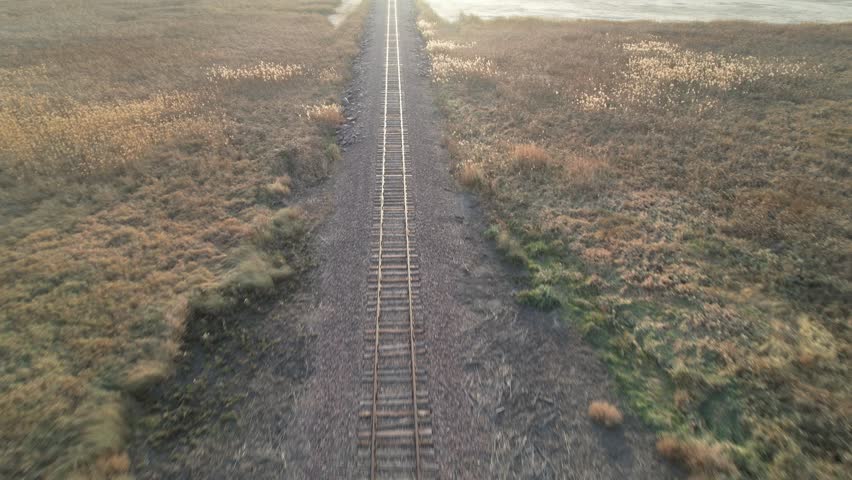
<point x="396" y="429"/>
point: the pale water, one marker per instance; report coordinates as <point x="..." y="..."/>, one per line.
<point x="778" y="11"/>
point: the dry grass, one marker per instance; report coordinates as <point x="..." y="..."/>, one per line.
<point x="605" y="413"/>
<point x="263" y="71"/>
<point x="470" y="175"/>
<point x="587" y="174"/>
<point x="663" y="73"/>
<point x="528" y="157"/>
<point x="142" y="163"/>
<point x="40" y="135"/>
<point x="427" y="28"/>
<point x="693" y="220"/>
<point x="697" y="456"/>
<point x="433" y="46"/>
<point x="280" y="188"/>
<point x="327" y="115"/>
<point x="446" y="68"/>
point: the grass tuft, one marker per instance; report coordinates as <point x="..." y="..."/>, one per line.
<point x="471" y="175"/>
<point x="333" y="153"/>
<point x="277" y="190"/>
<point x="527" y="157"/>
<point x="605" y="413"/>
<point x="510" y="247"/>
<point x="541" y="297"/>
<point x="328" y="116"/>
<point x="697" y="456"/>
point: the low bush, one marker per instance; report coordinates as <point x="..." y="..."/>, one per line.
<point x="698" y="456"/>
<point x="471" y="175"/>
<point x="329" y="116"/>
<point x="542" y="297"/>
<point x="528" y="157"/>
<point x="605" y="413"/>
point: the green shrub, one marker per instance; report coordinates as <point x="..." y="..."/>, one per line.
<point x="542" y="297"/>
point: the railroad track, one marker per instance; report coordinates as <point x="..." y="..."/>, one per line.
<point x="395" y="426"/>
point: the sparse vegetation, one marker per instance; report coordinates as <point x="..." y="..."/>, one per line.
<point x="605" y="413"/>
<point x="685" y="205"/>
<point x="151" y="158"/>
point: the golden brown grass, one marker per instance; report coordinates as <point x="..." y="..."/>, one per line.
<point x="470" y="175"/>
<point x="279" y="188"/>
<point x="433" y="46"/>
<point x="587" y="174"/>
<point x="327" y="115"/>
<point x="693" y="220"/>
<point x="447" y="67"/>
<point x="529" y="157"/>
<point x="143" y="162"/>
<point x="697" y="456"/>
<point x="659" y="73"/>
<point x="40" y="135"/>
<point x="263" y="71"/>
<point x="605" y="413"/>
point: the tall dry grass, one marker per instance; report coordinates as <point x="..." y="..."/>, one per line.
<point x="665" y="74"/>
<point x="327" y="115"/>
<point x="263" y="71"/>
<point x="528" y="157"/>
<point x="696" y="193"/>
<point x="445" y="67"/>
<point x="39" y="137"/>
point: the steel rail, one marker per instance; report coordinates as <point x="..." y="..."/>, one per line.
<point x="412" y="344"/>
<point x="397" y="405"/>
<point x="374" y="420"/>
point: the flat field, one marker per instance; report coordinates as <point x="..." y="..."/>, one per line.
<point x="151" y="159"/>
<point x="680" y="192"/>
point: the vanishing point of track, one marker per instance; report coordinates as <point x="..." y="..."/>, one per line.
<point x="395" y="430"/>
